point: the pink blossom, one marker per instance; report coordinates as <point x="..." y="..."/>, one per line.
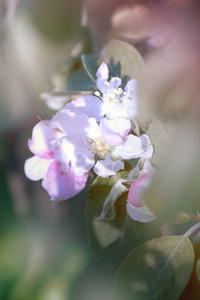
<point x="59" y="183"/>
<point x="135" y="206"/>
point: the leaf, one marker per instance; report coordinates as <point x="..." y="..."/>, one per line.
<point x="90" y="64"/>
<point x="175" y="187"/>
<point x="80" y="81"/>
<point x="158" y="269"/>
<point x="161" y="131"/>
<point x="123" y="60"/>
<point x="112" y="240"/>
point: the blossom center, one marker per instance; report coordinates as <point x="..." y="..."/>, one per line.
<point x="113" y="95"/>
<point x="99" y="147"/>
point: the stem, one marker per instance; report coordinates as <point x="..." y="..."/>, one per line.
<point x="192" y="229"/>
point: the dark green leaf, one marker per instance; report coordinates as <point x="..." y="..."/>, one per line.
<point x="80" y="81"/>
<point x="90" y="64"/>
<point x="159" y="269"/>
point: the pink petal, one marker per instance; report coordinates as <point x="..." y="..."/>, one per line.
<point x="63" y="186"/>
<point x="137" y="189"/>
<point x="42" y="134"/>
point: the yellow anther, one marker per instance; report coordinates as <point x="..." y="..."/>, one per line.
<point x="99" y="147"/>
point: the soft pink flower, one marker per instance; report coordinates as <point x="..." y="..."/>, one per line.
<point x="60" y="183"/>
<point x="135" y="206"/>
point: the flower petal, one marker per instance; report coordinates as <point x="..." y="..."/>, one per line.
<point x="135" y="147"/>
<point x="115" y="82"/>
<point x="114" y="131"/>
<point x="42" y="134"/>
<point x="107" y="167"/>
<point x="88" y="105"/>
<point x="141" y="214"/>
<point x="74" y="124"/>
<point x="63" y="186"/>
<point x="102" y="76"/>
<point x="73" y="150"/>
<point x="35" y="168"/>
<point x="137" y="189"/>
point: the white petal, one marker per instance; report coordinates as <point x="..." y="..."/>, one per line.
<point x="35" y="168"/>
<point x="115" y="82"/>
<point x="70" y="122"/>
<point x="114" y="131"/>
<point x="135" y="147"/>
<point x="131" y="88"/>
<point x="108" y="167"/>
<point x="141" y="214"/>
<point x="147" y="146"/>
<point x="102" y="76"/>
<point x="73" y="150"/>
<point x="89" y="105"/>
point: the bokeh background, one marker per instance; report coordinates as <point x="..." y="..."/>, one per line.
<point x="44" y="250"/>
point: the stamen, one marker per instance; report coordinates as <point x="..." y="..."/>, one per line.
<point x="107" y="83"/>
<point x="99" y="147"/>
<point x="43" y="121"/>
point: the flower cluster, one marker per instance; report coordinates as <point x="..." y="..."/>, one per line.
<point x="92" y="132"/>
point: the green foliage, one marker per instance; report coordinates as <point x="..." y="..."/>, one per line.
<point x="112" y="239"/>
<point x="175" y="187"/>
<point x="79" y="81"/>
<point x="158" y="269"/>
<point x="90" y="64"/>
<point x="123" y="60"/>
<point x="161" y="131"/>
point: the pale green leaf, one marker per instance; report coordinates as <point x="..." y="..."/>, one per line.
<point x="175" y="187"/>
<point x="123" y="60"/>
<point x="161" y="131"/>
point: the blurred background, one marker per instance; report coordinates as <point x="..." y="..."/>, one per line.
<point x="44" y="251"/>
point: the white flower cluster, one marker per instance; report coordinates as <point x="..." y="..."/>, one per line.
<point x="93" y="131"/>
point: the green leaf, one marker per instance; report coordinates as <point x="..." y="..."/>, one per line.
<point x="90" y="64"/>
<point x="159" y="269"/>
<point x="161" y="131"/>
<point x="80" y="81"/>
<point x="123" y="60"/>
<point x="112" y="240"/>
<point x="175" y="187"/>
